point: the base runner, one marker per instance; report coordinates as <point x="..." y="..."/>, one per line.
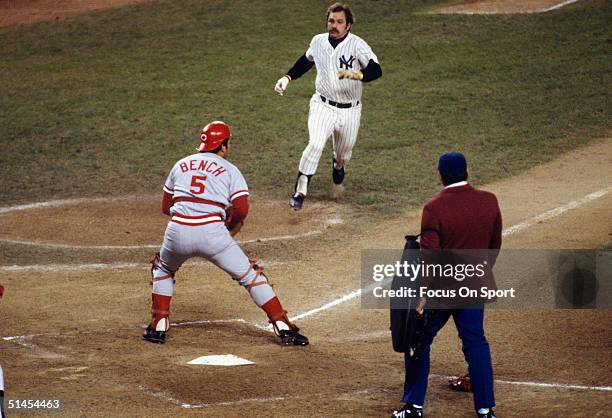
<point x="344" y="62"/>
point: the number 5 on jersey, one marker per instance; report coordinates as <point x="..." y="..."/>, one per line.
<point x="197" y="184"/>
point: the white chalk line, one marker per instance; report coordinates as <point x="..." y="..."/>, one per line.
<point x="560" y="5"/>
<point x="484" y="12"/>
<point x="556" y="385"/>
<point x="327" y="224"/>
<point x="352" y="295"/>
<point x="506" y="232"/>
<point x="59" y="202"/>
<point x="78" y="247"/>
<point x="555" y="212"/>
<point x="22" y="340"/>
<point x="55" y="268"/>
<point x="326" y="395"/>
<point x="169" y="398"/>
<point x="536" y="384"/>
<point x="19" y="338"/>
<point x="53" y="203"/>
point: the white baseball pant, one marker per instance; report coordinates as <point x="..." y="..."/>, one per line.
<point x="325" y="120"/>
<point x="213" y="242"/>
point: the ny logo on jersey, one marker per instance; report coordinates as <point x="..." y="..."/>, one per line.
<point x="346" y="63"/>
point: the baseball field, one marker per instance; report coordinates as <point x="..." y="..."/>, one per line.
<point x="100" y="98"/>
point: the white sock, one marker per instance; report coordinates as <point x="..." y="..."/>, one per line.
<point x="302" y="185"/>
<point x="483" y="411"/>
<point x="164" y="287"/>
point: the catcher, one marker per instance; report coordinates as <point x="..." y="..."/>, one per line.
<point x="197" y="192"/>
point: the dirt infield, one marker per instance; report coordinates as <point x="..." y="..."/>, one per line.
<point x="77" y="298"/>
<point x="15" y="12"/>
<point x="503" y="7"/>
<point x="85" y="349"/>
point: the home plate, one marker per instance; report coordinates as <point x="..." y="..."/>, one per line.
<point x="221" y="360"/>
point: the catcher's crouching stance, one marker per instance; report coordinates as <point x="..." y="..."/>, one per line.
<point x="197" y="192"/>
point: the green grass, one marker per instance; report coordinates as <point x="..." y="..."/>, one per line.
<point x="104" y="104"/>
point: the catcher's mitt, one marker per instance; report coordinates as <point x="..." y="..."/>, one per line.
<point x="232" y="227"/>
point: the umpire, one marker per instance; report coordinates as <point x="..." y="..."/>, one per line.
<point x="459" y="217"/>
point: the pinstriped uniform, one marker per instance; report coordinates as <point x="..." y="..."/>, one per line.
<point x="324" y="119"/>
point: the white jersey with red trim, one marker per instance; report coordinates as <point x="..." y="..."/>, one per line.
<point x="204" y="183"/>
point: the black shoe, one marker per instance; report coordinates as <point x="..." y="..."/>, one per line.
<point x="154" y="336"/>
<point x="337" y="173"/>
<point x="489" y="414"/>
<point x="408" y="411"/>
<point x="296" y="201"/>
<point x="292" y="337"/>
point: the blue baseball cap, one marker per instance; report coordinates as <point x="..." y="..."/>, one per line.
<point x="452" y="164"/>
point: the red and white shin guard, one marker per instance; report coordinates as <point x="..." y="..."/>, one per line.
<point x="163" y="288"/>
<point x="160" y="312"/>
<point x="277" y="315"/>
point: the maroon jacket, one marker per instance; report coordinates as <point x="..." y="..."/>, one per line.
<point x="467" y="219"/>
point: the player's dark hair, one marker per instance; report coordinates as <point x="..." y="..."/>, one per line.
<point x="341" y="7"/>
<point x="216" y="150"/>
<point x="448" y="179"/>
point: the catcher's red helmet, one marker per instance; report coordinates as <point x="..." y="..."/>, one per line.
<point x="213" y="135"/>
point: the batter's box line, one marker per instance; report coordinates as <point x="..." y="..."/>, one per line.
<point x="536" y="384"/>
<point x="56" y="268"/>
<point x="169" y="398"/>
<point x="21" y="339"/>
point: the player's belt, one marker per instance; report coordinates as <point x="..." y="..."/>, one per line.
<point x="336" y="104"/>
<point x="196" y="220"/>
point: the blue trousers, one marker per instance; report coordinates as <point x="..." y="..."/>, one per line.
<point x="469" y="324"/>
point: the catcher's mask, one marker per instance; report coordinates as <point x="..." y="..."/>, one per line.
<point x="213" y="136"/>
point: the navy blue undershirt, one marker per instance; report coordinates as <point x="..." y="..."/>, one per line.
<point x="371" y="72"/>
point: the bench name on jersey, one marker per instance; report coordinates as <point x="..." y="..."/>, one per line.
<point x="203" y="166"/>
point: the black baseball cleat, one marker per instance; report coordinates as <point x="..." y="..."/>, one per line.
<point x="337" y="173"/>
<point x="489" y="414"/>
<point x="154" y="336"/>
<point x="297" y="201"/>
<point x="408" y="411"/>
<point x="292" y="337"/>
